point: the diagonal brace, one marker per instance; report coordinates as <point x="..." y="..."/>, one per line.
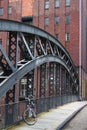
<point x="7" y="59"/>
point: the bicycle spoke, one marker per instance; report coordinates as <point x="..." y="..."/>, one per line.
<point x="30" y="119"/>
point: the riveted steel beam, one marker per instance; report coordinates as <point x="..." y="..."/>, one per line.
<point x="9" y="25"/>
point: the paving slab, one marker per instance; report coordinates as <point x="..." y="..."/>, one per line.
<point x="55" y="118"/>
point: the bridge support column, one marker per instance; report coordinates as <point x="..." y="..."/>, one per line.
<point x="13" y="55"/>
<point x="43" y="80"/>
<point x="10" y="95"/>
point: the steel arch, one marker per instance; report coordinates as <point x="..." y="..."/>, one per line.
<point x="51" y="51"/>
<point x="12" y="79"/>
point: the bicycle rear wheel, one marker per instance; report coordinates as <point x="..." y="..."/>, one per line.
<point x="29" y="116"/>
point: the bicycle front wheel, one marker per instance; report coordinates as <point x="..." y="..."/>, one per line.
<point x="29" y="116"/>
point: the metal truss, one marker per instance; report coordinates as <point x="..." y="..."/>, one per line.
<point x="6" y="65"/>
<point x="43" y="80"/>
<point x="37" y="48"/>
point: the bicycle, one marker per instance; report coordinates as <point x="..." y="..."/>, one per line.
<point x="29" y="114"/>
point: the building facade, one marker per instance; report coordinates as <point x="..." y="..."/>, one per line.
<point x="66" y="20"/>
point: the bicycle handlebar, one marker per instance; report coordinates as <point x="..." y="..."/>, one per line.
<point x="29" y="98"/>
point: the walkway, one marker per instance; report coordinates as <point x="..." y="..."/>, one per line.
<point x="54" y="119"/>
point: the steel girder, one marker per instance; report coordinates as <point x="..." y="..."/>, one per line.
<point x="37" y="47"/>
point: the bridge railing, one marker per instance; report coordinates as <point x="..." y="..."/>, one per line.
<point x="42" y="105"/>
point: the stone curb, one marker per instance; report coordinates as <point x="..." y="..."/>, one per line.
<point x="70" y="118"/>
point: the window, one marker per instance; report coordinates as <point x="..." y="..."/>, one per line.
<point x="1" y="11"/>
<point x="9" y="10"/>
<point x="56" y="20"/>
<point x="56" y="36"/>
<point x="67" y="19"/>
<point x="23" y="87"/>
<point x="46" y="4"/>
<point x="57" y="3"/>
<point x="46" y="21"/>
<point x="67" y="37"/>
<point x="67" y="2"/>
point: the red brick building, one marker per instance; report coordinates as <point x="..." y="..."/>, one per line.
<point x="66" y="20"/>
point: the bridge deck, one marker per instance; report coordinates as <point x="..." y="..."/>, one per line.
<point x="55" y="118"/>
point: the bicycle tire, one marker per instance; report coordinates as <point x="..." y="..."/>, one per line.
<point x="29" y="116"/>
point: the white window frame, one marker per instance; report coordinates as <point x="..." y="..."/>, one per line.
<point x="67" y="19"/>
<point x="67" y="2"/>
<point x="9" y="10"/>
<point x="56" y="20"/>
<point x="57" y="3"/>
<point x="23" y="85"/>
<point x="67" y="37"/>
<point x="46" y="4"/>
<point x="46" y="21"/>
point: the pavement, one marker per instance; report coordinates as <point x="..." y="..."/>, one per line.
<point x="55" y="119"/>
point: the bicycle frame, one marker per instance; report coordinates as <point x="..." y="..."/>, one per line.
<point x="29" y="112"/>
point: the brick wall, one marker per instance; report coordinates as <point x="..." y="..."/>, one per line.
<point x="27" y="7"/>
<point x="16" y="10"/>
<point x="73" y="28"/>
